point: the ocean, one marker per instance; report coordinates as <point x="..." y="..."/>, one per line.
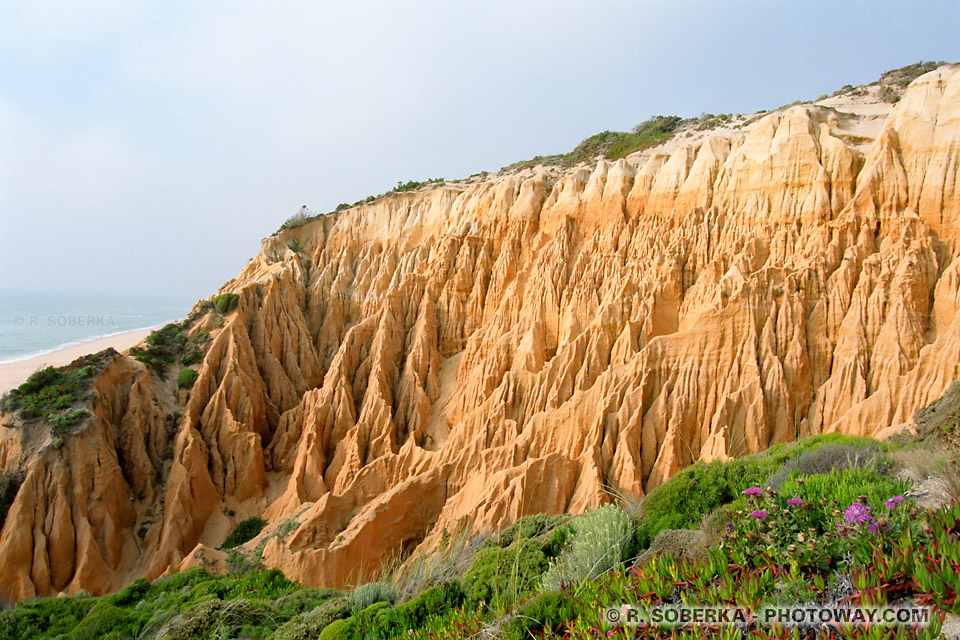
<point x="32" y="324"/>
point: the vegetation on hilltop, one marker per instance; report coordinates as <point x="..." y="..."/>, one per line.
<point x="611" y="144"/>
<point x="61" y="397"/>
<point x="892" y="83"/>
<point x="305" y="215"/>
<point x="52" y="390"/>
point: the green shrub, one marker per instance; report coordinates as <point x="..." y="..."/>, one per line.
<point x="162" y="347"/>
<point x="547" y="613"/>
<point x="226" y="302"/>
<point x="191" y="356"/>
<point x="244" y="532"/>
<point x="344" y="629"/>
<point x="413" y="184"/>
<point x="53" y="389"/>
<point x="131" y="594"/>
<point x="499" y="575"/>
<point x="526" y="527"/>
<point x="303" y="600"/>
<point x="828" y="457"/>
<point x="802" y="527"/>
<point x="66" y="420"/>
<point x="436" y="599"/>
<point x="186" y="378"/>
<point x="180" y="579"/>
<point x="679" y="545"/>
<point x="300" y="218"/>
<point x="217" y="618"/>
<point x="367" y="594"/>
<point x="844" y="486"/>
<point x="612" y="144"/>
<point x="603" y="538"/>
<point x="108" y="620"/>
<point x="43" y="617"/>
<point x="308" y="625"/>
<point x="696" y="491"/>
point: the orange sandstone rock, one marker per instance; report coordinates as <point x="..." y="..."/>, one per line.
<point x="462" y="355"/>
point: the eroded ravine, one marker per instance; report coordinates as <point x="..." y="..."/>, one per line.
<point x="461" y="355"/>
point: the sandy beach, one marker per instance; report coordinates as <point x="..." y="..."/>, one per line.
<point x="12" y="374"/>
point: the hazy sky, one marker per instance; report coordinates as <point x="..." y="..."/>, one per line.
<point x="147" y="145"/>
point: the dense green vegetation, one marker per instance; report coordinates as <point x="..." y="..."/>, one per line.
<point x="818" y="520"/>
<point x="54" y="389"/>
<point x="226" y="302"/>
<point x="52" y="394"/>
<point x="611" y="144"/>
<point x="192" y="604"/>
<point x="166" y="345"/>
<point x="186" y="378"/>
<point x="893" y="82"/>
<point x="701" y="488"/>
<point x="162" y="347"/>
<point x="410" y="185"/>
<point x="244" y="532"/>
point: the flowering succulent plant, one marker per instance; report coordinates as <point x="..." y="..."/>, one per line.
<point x="813" y="532"/>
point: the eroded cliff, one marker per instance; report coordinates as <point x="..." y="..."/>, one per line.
<point x="531" y="342"/>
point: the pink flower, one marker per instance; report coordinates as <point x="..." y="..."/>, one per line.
<point x="795" y="502"/>
<point x="759" y="514"/>
<point x="752" y="491"/>
<point x="857" y="513"/>
<point x="892" y="503"/>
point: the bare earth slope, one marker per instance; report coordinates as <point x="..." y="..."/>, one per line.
<point x="462" y="355"/>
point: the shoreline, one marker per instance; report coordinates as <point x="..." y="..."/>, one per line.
<point x="14" y="372"/>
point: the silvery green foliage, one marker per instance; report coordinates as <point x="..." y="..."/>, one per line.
<point x="602" y="539"/>
<point x="371" y="593"/>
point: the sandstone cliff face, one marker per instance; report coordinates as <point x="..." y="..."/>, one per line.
<point x="460" y="356"/>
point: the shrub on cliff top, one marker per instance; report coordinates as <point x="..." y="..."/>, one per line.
<point x="50" y="389"/>
<point x="226" y="302"/>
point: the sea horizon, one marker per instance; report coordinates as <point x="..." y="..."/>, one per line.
<point x="34" y="324"/>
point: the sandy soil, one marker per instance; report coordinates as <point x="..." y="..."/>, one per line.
<point x="14" y="373"/>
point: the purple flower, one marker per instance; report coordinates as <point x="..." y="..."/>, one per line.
<point x="892" y="503"/>
<point x="729" y="527"/>
<point x="752" y="491"/>
<point x="857" y="513"/>
<point x="759" y="514"/>
<point x="795" y="502"/>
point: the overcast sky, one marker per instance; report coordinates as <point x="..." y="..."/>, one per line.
<point x="146" y="146"/>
